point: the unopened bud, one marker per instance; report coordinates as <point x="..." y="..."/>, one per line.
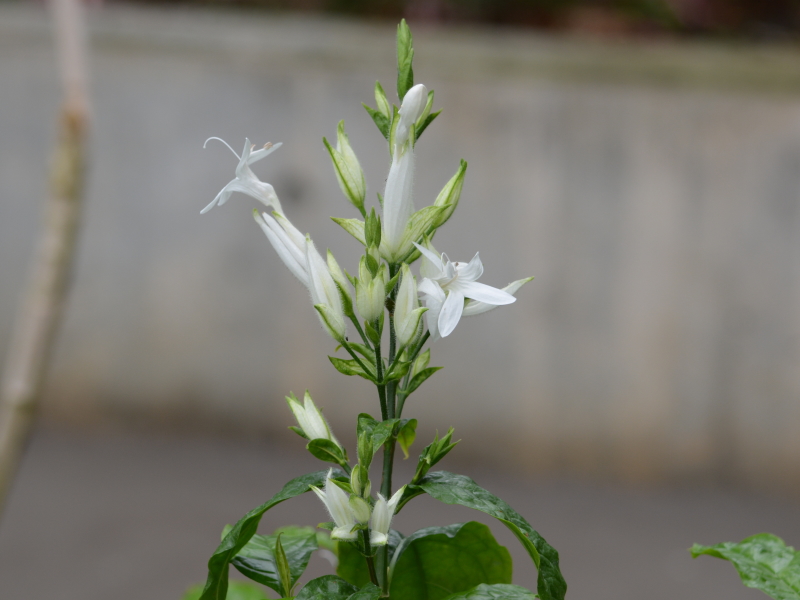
<point x="361" y="509"/>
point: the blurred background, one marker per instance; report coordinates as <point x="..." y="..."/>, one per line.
<point x="640" y="158"/>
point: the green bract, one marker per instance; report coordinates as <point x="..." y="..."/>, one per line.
<point x="381" y="316"/>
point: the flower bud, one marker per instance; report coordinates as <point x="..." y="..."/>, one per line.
<point x="341" y="282"/>
<point x="370" y="293"/>
<point x="310" y="419"/>
<point x="361" y="509"/>
<point x="324" y="293"/>
<point x="407" y="313"/>
<point x="410" y="110"/>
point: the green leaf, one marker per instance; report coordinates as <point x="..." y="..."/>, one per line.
<point x="764" y="562"/>
<point x="258" y="559"/>
<point x="352" y="565"/>
<point x="354" y="227"/>
<point x="397" y="371"/>
<point x="373" y="334"/>
<point x="326" y="450"/>
<point x="378" y="431"/>
<point x="499" y="591"/>
<point x="459" y="489"/>
<point x="350" y="367"/>
<point x="380" y="120"/>
<point x="435" y="562"/>
<point x="407" y="435"/>
<point x="425" y="122"/>
<point x="419" y="379"/>
<point x="364" y="351"/>
<point x="216" y="586"/>
<point x="327" y="587"/>
<point x="238" y="590"/>
<point x="405" y="54"/>
<point x="368" y="592"/>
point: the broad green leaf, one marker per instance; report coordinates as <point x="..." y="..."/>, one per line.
<point x="459" y="489"/>
<point x="368" y="592"/>
<point x="238" y="590"/>
<point x="257" y="559"/>
<point x="327" y="587"/>
<point x="419" y="379"/>
<point x="407" y="435"/>
<point x="764" y="562"/>
<point x="326" y="450"/>
<point x="435" y="562"/>
<point x="499" y="591"/>
<point x="216" y="586"/>
<point x="352" y="564"/>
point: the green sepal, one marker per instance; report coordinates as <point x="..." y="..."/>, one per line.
<point x="372" y="229"/>
<point x="405" y="55"/>
<point x="343" y="484"/>
<point x="421" y="362"/>
<point x="378" y="431"/>
<point x="299" y="431"/>
<point x="373" y="335"/>
<point x="418" y="379"/>
<point x="354" y="227"/>
<point x="390" y="285"/>
<point x="392" y="131"/>
<point x="351" y="183"/>
<point x="327" y="525"/>
<point x="407" y="435"/>
<point x="365" y="451"/>
<point x="451" y="194"/>
<point x="350" y="367"/>
<point x="364" y="351"/>
<point x="216" y="587"/>
<point x="359" y="526"/>
<point x="327" y="451"/>
<point x="372" y="264"/>
<point x="764" y="562"/>
<point x="381" y="103"/>
<point x="397" y="370"/>
<point x="422" y="223"/>
<point x="381" y="122"/>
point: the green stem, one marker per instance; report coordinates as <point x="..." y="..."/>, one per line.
<point x="360" y="330"/>
<point x="401" y="397"/>
<point x="370" y="561"/>
<point x="347" y="347"/>
<point x="381" y="386"/>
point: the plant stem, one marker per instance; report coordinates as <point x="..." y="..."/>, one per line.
<point x="347" y="347"/>
<point x="373" y="575"/>
<point x="401" y="398"/>
<point x="381" y="387"/>
<point x="360" y="331"/>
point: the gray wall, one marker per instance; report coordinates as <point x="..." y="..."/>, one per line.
<point x="651" y="189"/>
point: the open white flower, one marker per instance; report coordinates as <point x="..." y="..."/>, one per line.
<point x="382" y="515"/>
<point x="473" y="307"/>
<point x="337" y="501"/>
<point x="445" y="287"/>
<point x="245" y="181"/>
<point x="310" y="419"/>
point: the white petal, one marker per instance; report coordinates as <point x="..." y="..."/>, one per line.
<point x="298" y="252"/>
<point x="473" y="307"/>
<point x="257" y="155"/>
<point x="433" y="265"/>
<point x="297" y="268"/>
<point x="451" y="312"/>
<point x="472" y="270"/>
<point x="481" y="292"/>
<point x="376" y="538"/>
<point x="398" y="205"/>
<point x="294" y="234"/>
<point x="219" y="199"/>
<point x="344" y="533"/>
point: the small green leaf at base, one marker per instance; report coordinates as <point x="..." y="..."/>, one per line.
<point x="763" y="561"/>
<point x="494" y="592"/>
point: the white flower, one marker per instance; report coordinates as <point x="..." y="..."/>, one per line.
<point x="445" y="287"/>
<point x="398" y="203"/>
<point x="407" y="312"/>
<point x="324" y="293"/>
<point x="245" y="181"/>
<point x="411" y="110"/>
<point x="337" y="502"/>
<point x="288" y="242"/>
<point x="473" y="307"/>
<point x="382" y="515"/>
<point x="310" y="419"/>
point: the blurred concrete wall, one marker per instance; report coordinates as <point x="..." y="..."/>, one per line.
<point x="654" y="192"/>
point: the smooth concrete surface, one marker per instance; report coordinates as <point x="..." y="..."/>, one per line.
<point x="99" y="514"/>
<point x="653" y="190"/>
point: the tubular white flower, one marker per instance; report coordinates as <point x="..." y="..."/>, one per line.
<point x="411" y="110"/>
<point x="324" y="293"/>
<point x="407" y="312"/>
<point x="382" y="515"/>
<point x="288" y="242"/>
<point x="398" y="203"/>
<point x="447" y="285"/>
<point x="337" y="502"/>
<point x="310" y="419"/>
<point x="245" y="181"/>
